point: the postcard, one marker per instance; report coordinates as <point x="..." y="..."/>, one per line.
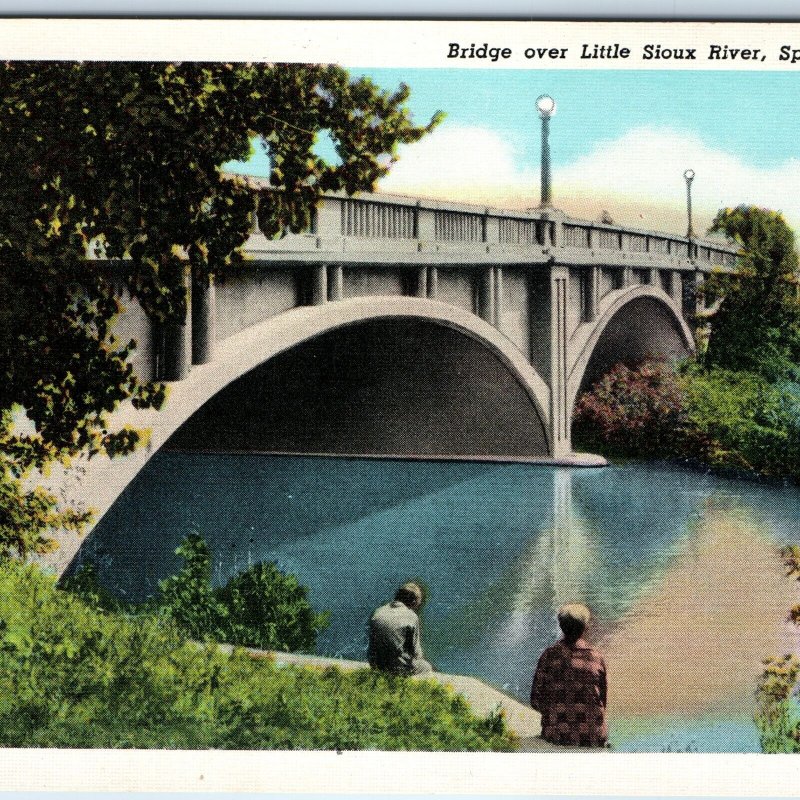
<point x="400" y="406"/>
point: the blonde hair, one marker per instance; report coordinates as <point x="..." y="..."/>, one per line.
<point x="410" y="593"/>
<point x="573" y="619"/>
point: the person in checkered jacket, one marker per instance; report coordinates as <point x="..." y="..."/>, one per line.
<point x="569" y="685"/>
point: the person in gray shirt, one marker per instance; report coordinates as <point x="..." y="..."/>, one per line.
<point x="394" y="637"/>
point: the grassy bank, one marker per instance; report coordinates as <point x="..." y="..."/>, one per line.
<point x="72" y="675"/>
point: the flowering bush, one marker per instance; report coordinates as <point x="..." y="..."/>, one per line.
<point x="723" y="418"/>
<point x="637" y="411"/>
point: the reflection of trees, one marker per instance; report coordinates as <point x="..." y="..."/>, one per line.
<point x="705" y="624"/>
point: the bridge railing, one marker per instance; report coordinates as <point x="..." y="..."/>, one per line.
<point x="373" y="218"/>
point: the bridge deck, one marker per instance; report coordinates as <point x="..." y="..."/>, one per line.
<point x="395" y="230"/>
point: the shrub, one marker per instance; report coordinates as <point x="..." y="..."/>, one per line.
<point x="187" y="597"/>
<point x="741" y="420"/>
<point x="778" y="713"/>
<point x="261" y="607"/>
<point x="268" y="609"/>
<point x="633" y="411"/>
<point x="75" y="676"/>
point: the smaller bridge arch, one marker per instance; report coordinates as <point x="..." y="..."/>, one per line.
<point x="632" y="323"/>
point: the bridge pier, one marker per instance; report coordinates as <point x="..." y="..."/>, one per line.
<point x="487" y="300"/>
<point x="319" y="285"/>
<point x="627" y="276"/>
<point x="204" y="318"/>
<point x="560" y="412"/>
<point x="498" y="296"/>
<point x="592" y="293"/>
<point x="433" y="283"/>
<point x="676" y="287"/>
<point x="422" y="282"/>
<point x="175" y="354"/>
<point x="336" y="282"/>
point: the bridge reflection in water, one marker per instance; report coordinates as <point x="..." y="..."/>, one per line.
<point x="554" y="569"/>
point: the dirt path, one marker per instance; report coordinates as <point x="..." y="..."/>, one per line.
<point x="694" y="644"/>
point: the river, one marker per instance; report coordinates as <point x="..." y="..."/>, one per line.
<point x="681" y="569"/>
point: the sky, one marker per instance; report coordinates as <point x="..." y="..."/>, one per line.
<point x="620" y="141"/>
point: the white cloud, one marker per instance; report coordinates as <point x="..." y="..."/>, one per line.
<point x="467" y="164"/>
<point x="646" y="165"/>
<point x="637" y="178"/>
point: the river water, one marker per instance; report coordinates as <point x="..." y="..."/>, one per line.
<point x="681" y="569"/>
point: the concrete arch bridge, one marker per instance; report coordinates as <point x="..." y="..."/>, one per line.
<point x="410" y="328"/>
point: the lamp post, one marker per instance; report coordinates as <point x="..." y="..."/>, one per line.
<point x="689" y="176"/>
<point x="547" y="108"/>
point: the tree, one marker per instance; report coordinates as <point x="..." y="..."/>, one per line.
<point x="757" y="326"/>
<point x="119" y="164"/>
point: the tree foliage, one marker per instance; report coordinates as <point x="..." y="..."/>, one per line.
<point x="112" y="179"/>
<point x="757" y="326"/>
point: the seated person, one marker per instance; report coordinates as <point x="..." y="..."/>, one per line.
<point x="394" y="637"/>
<point x="569" y="686"/>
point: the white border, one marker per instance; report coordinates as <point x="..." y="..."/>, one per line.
<point x="374" y="44"/>
<point x="374" y="774"/>
<point x="392" y="43"/>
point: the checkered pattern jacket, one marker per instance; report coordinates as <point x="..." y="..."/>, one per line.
<point x="569" y="690"/>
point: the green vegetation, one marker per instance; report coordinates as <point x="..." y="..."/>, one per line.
<point x="757" y="326"/>
<point x="128" y="169"/>
<point x="261" y="607"/>
<point x="738" y="405"/>
<point x="778" y="712"/>
<point x="72" y="675"/>
<point x="726" y="419"/>
<point x="742" y="421"/>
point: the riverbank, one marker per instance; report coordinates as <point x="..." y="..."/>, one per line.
<point x="74" y="676"/>
<point x="484" y="700"/>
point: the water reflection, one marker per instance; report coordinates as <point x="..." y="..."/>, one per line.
<point x="680" y="569"/>
<point x="556" y="568"/>
<point x="694" y="643"/>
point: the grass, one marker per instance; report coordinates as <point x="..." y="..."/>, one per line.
<point x="72" y="675"/>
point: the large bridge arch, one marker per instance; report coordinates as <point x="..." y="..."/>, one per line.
<point x="384" y="384"/>
<point x="102" y="480"/>
<point x="632" y="323"/>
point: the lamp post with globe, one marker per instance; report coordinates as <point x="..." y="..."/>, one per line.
<point x="689" y="177"/>
<point x="547" y="108"/>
